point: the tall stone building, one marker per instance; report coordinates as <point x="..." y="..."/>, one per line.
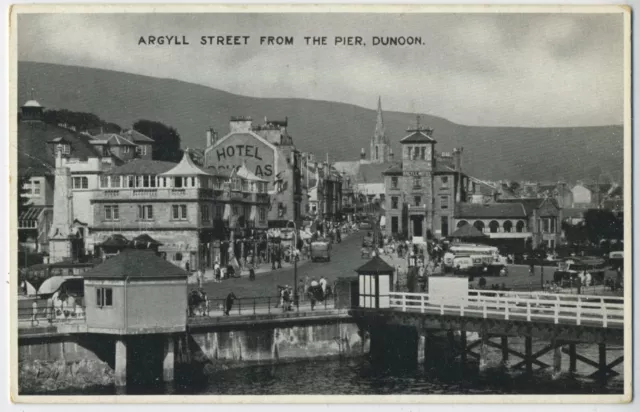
<point x="422" y="191"/>
<point x="380" y="148"/>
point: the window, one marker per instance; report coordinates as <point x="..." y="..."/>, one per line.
<point x="408" y="152"/>
<point x="445" y="181"/>
<point x="206" y="216"/>
<point x="104" y="297"/>
<point x="417" y="182"/>
<point x="179" y="212"/>
<point x="444" y="202"/>
<point x="394" y="224"/>
<point x="417" y="200"/>
<point x="219" y="211"/>
<point x="145" y="212"/>
<point x="80" y="182"/>
<point x="141" y="150"/>
<point x="131" y="181"/>
<point x="444" y="226"/>
<point x="177" y="182"/>
<point x="394" y="182"/>
<point x="111" y="212"/>
<point x="35" y="186"/>
<point x="494" y="226"/>
<point x="520" y="226"/>
<point x="416" y="153"/>
<point x="177" y="256"/>
<point x="394" y="202"/>
<point x="125" y="149"/>
<point x="193" y="182"/>
<point x="145" y="181"/>
<point x="152" y="181"/>
<point x="64" y="149"/>
<point x="263" y="214"/>
<point x="422" y="152"/>
<point x="104" y="181"/>
<point x="507" y="226"/>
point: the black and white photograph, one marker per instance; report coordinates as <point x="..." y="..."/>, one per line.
<point x="320" y="204"/>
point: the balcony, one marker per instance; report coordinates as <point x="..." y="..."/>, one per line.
<point x="155" y="193"/>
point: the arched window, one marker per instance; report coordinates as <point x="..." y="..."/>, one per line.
<point x="520" y="226"/>
<point x="479" y="224"/>
<point x="507" y="226"/>
<point x="462" y="223"/>
<point x="493" y="226"/>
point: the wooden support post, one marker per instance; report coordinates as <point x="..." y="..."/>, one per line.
<point x="421" y="348"/>
<point x="572" y="358"/>
<point x="121" y="362"/>
<point x="463" y="345"/>
<point x="168" y="360"/>
<point x="504" y="343"/>
<point x="451" y="350"/>
<point x="484" y="350"/>
<point x="427" y="359"/>
<point x="602" y="362"/>
<point x="528" y="346"/>
<point x="557" y="358"/>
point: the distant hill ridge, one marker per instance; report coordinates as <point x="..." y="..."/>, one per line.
<point x="339" y="129"/>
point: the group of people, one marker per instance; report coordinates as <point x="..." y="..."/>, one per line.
<point x="59" y="306"/>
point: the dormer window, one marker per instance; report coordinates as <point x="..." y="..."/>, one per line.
<point x="65" y="149"/>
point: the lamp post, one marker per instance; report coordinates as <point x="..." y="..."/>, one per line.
<point x="295" y="263"/>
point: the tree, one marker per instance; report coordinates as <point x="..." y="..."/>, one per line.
<point x="514" y="187"/>
<point x="600" y="224"/>
<point x="166" y="140"/>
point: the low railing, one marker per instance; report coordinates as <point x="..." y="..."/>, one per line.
<point x="50" y="315"/>
<point x="560" y="308"/>
<point x="256" y="305"/>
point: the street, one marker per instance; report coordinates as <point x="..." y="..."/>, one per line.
<point x="345" y="259"/>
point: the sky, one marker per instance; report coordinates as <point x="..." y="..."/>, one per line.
<point x="526" y="70"/>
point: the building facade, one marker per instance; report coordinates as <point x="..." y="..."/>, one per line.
<point x="195" y="213"/>
<point x="268" y="152"/>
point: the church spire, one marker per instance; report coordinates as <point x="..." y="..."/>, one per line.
<point x="379" y="136"/>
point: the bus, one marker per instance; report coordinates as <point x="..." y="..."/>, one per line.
<point x="474" y="258"/>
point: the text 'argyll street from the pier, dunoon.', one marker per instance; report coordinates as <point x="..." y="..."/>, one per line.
<point x="238" y="40"/>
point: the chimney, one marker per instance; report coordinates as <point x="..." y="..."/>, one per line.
<point x="210" y="137"/>
<point x="457" y="159"/>
<point x="391" y="155"/>
<point x="240" y="124"/>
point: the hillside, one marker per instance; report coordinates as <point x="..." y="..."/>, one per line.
<point x="319" y="126"/>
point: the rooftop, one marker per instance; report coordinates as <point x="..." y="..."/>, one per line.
<point x="32" y="103"/>
<point x="376" y="265"/>
<point x="135" y="263"/>
<point x="136" y="136"/>
<point x="142" y="167"/>
<point x="490" y="210"/>
<point x="418" y="137"/>
<point x="187" y="167"/>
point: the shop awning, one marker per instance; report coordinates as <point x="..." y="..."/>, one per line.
<point x="30" y="217"/>
<point x="227" y="212"/>
<point x="53" y="284"/>
<point x="254" y="212"/>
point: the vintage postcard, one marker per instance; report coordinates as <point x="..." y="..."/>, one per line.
<point x="320" y="204"/>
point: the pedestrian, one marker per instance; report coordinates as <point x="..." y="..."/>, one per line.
<point x="323" y="285"/>
<point x="531" y="268"/>
<point x="34" y="313"/>
<point x="229" y="303"/>
<point x="218" y="272"/>
<point x="186" y="266"/>
<point x="252" y="274"/>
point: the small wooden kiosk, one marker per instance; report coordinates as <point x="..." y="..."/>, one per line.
<point x="374" y="280"/>
<point x="136" y="293"/>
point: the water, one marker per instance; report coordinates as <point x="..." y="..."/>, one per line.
<point x="357" y="376"/>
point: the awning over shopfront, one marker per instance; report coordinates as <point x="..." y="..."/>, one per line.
<point x="30" y="217"/>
